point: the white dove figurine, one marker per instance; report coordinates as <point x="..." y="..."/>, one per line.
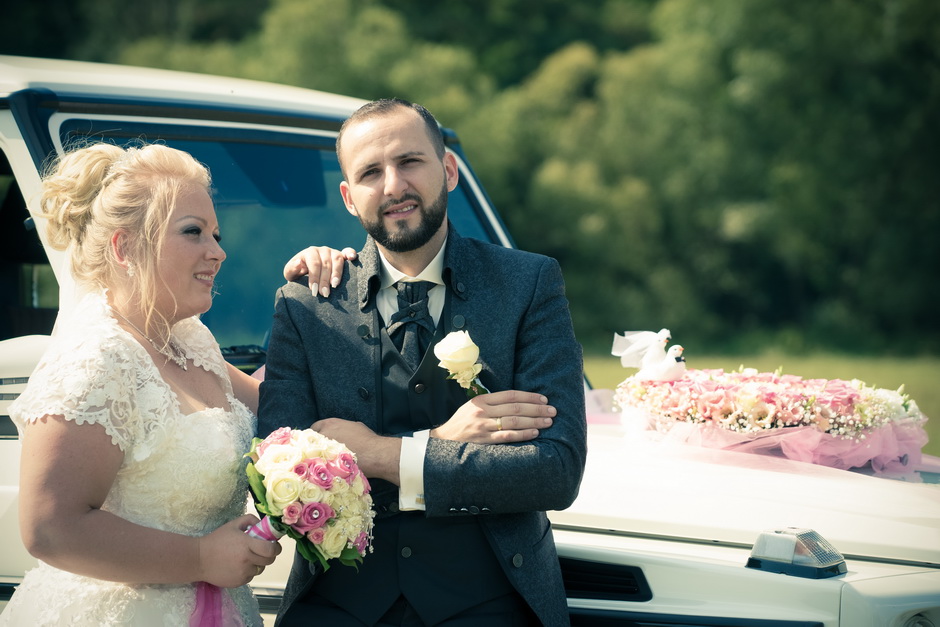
<point x="639" y="349"/>
<point x="669" y="368"/>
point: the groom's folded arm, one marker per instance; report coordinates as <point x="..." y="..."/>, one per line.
<point x="541" y="474"/>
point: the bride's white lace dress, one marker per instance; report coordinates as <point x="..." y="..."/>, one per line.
<point x="181" y="473"/>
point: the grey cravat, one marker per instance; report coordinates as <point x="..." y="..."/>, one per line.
<point x="412" y="327"/>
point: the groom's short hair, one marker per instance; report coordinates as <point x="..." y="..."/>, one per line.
<point x="383" y="106"/>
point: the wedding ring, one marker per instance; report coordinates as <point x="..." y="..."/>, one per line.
<point x="499" y="424"/>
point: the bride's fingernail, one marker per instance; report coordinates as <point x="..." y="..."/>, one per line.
<point x="314" y="288"/>
<point x="325" y="291"/>
<point x="335" y="282"/>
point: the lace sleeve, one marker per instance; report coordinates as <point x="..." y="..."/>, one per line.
<point x="92" y="373"/>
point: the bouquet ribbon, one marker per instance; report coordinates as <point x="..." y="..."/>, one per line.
<point x="210" y="599"/>
<point x="208" y="611"/>
<point x="264" y="530"/>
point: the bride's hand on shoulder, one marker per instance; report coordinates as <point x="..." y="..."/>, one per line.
<point x="324" y="266"/>
<point x="228" y="557"/>
<point x="498" y="418"/>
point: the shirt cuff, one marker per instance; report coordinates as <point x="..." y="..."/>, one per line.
<point x="411" y="471"/>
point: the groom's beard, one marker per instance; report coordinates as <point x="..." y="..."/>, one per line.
<point x="405" y="239"/>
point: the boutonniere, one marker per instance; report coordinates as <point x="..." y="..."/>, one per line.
<point x="458" y="355"/>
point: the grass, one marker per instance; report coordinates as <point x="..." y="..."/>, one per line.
<point x="920" y="376"/>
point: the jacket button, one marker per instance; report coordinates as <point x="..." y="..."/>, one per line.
<point x="393" y="507"/>
<point x="363" y="331"/>
<point x="461" y="287"/>
<point x="517" y="560"/>
<point x="406" y="552"/>
<point x="474" y="509"/>
<point x="364" y="394"/>
<point x="419" y="388"/>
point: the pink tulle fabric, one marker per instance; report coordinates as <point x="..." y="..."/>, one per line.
<point x="214" y="608"/>
<point x="892" y="451"/>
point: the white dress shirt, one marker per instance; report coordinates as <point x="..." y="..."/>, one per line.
<point x="413" y="449"/>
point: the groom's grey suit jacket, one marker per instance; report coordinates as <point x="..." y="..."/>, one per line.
<point x="324" y="361"/>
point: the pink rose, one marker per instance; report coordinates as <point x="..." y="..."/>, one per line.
<point x="313" y="516"/>
<point x="343" y="466"/>
<point x="361" y="543"/>
<point x="316" y="535"/>
<point x="714" y="404"/>
<point x="302" y="469"/>
<point x="292" y="512"/>
<point x="279" y="436"/>
<point x="840" y="395"/>
<point x="319" y="474"/>
<point x="791" y="414"/>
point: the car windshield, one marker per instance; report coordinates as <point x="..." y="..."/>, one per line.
<point x="275" y="193"/>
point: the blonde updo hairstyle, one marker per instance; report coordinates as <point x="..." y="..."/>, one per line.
<point x="92" y="192"/>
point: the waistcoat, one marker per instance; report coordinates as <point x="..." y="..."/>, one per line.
<point x="441" y="565"/>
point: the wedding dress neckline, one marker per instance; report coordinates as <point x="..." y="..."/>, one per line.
<point x="184" y="411"/>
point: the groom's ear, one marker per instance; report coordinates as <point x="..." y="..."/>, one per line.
<point x="451" y="171"/>
<point x="347" y="198"/>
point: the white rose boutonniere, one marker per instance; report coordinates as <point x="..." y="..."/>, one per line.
<point x="458" y="355"/>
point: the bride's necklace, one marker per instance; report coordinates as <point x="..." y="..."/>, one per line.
<point x="171" y="350"/>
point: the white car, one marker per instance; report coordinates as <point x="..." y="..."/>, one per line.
<point x="660" y="535"/>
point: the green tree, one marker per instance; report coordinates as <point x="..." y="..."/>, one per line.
<point x="741" y="172"/>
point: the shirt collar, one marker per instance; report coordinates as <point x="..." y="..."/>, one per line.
<point x="433" y="272"/>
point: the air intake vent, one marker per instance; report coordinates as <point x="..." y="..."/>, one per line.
<point x="585" y="579"/>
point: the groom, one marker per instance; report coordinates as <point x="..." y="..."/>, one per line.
<point x="460" y="486"/>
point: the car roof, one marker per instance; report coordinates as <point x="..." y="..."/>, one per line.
<point x="77" y="79"/>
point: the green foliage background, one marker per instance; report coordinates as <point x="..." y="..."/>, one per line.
<point x="747" y="174"/>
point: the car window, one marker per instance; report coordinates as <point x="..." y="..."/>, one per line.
<point x="275" y="194"/>
<point x="28" y="291"/>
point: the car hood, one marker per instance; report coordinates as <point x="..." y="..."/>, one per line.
<point x="637" y="486"/>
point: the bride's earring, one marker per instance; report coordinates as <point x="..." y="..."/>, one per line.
<point x="130" y="270"/>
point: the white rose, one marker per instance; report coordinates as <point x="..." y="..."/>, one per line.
<point x="346" y="502"/>
<point x="312" y="493"/>
<point x="334" y="541"/>
<point x="352" y="525"/>
<point x="466" y="377"/>
<point x="357" y="486"/>
<point x="282" y="488"/>
<point x="339" y="486"/>
<point x="312" y="444"/>
<point x="278" y="457"/>
<point x="333" y="449"/>
<point x="458" y="355"/>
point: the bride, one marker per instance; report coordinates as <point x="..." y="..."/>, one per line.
<point x="133" y="427"/>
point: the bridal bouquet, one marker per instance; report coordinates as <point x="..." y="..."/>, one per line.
<point x="310" y="488"/>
